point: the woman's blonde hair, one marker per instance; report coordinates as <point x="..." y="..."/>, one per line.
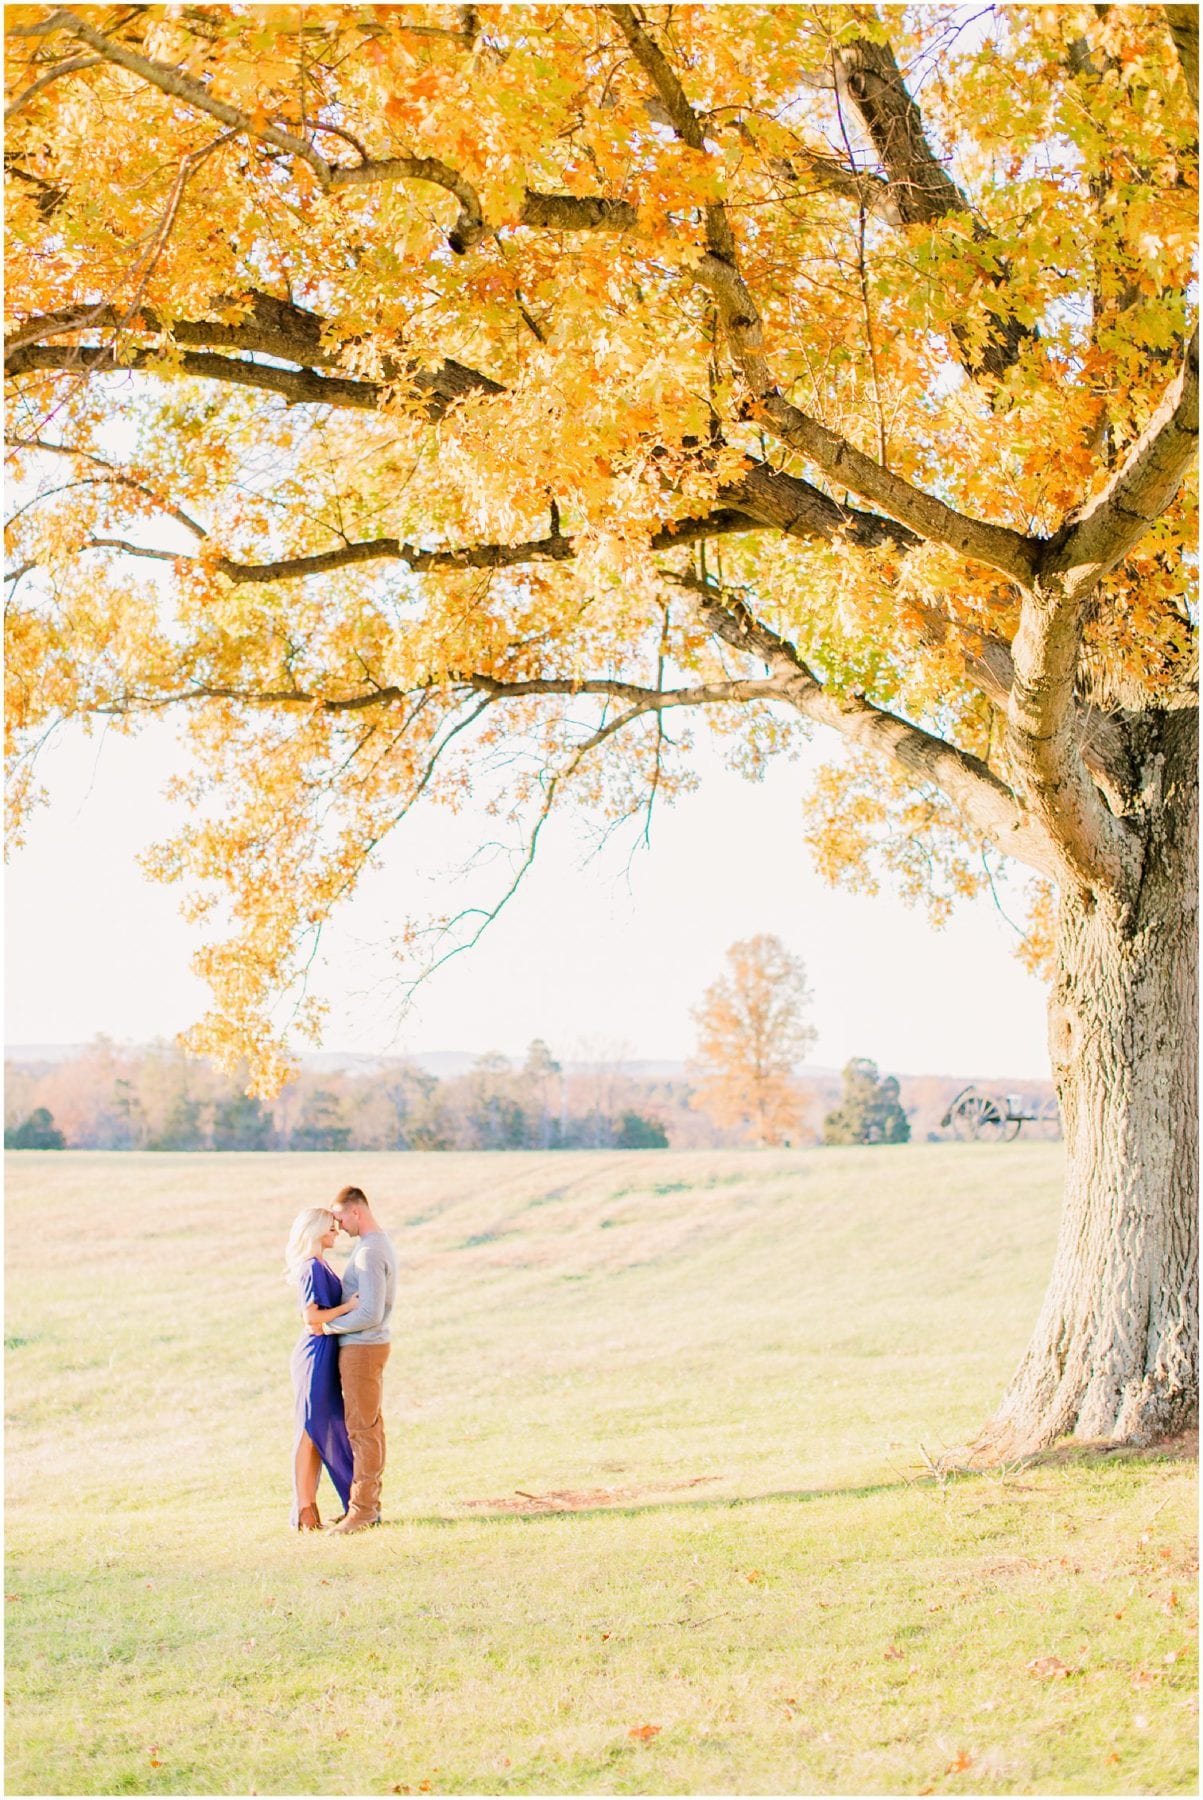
<point x="304" y="1240"/>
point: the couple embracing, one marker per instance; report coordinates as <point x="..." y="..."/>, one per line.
<point x="338" y="1365"/>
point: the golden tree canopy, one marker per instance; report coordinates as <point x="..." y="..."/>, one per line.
<point x="430" y="399"/>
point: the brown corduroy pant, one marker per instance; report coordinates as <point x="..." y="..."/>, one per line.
<point x="361" y="1371"/>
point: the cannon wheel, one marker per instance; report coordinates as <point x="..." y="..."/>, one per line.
<point x="962" y="1115"/>
<point x="979" y="1117"/>
<point x="1011" y="1128"/>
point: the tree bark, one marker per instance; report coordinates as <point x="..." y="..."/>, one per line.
<point x="1115" y="1354"/>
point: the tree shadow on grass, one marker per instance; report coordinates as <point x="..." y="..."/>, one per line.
<point x="507" y="1511"/>
<point x="526" y="1508"/>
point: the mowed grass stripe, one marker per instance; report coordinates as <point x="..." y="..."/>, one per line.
<point x="731" y="1365"/>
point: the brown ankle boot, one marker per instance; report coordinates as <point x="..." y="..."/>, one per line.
<point x="308" y="1519"/>
<point x="353" y="1521"/>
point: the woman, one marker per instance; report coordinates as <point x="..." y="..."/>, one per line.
<point x="321" y="1428"/>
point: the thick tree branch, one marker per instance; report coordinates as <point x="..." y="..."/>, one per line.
<point x="919" y="185"/>
<point x="775" y="498"/>
<point x="438" y="389"/>
<point x="1100" y="534"/>
<point x="264" y="324"/>
<point x="985" y="801"/>
<point x="869" y="76"/>
<point x="639" y="698"/>
<point x="729" y="617"/>
<point x="297" y="386"/>
<point x="293" y="568"/>
<point x="1095" y="850"/>
<point x="557" y="212"/>
<point x="279" y="329"/>
<point x="577" y="212"/>
<point x="268" y="327"/>
<point x="469" y="226"/>
<point x="1098" y="850"/>
<point x="997" y="546"/>
<point x="1183" y="22"/>
<point x="795" y="507"/>
<point x="1085" y="741"/>
<point x="989" y="665"/>
<point x="764" y="498"/>
<point x="719" y="239"/>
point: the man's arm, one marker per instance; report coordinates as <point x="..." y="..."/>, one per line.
<point x="372" y="1288"/>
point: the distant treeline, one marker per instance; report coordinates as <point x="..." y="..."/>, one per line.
<point x="112" y="1097"/>
<point x="156" y="1098"/>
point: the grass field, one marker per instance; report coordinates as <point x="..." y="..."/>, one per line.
<point x="658" y="1513"/>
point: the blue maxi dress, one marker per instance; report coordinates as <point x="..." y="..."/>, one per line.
<point x="316" y="1387"/>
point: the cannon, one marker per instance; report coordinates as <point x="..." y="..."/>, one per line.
<point x="995" y="1118"/>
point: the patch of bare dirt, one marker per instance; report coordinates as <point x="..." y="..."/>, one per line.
<point x="580" y="1499"/>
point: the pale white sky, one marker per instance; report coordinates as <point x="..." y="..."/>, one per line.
<point x="588" y="956"/>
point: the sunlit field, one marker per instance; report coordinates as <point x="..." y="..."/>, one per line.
<point x="672" y="1502"/>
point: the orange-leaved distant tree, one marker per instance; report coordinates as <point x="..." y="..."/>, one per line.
<point x="752" y="1032"/>
<point x="425" y="398"/>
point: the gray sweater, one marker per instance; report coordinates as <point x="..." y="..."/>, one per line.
<point x="370" y="1278"/>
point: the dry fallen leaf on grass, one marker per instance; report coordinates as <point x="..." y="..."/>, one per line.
<point x="1048" y="1668"/>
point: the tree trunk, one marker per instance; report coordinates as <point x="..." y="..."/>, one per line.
<point x="1115" y="1353"/>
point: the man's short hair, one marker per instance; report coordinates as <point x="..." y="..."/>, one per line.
<point x="350" y="1196"/>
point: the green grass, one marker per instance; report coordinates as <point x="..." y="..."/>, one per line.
<point x="726" y="1369"/>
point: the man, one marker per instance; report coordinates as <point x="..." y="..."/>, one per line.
<point x="370" y="1278"/>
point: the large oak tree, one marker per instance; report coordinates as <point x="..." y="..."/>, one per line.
<point x="424" y="398"/>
